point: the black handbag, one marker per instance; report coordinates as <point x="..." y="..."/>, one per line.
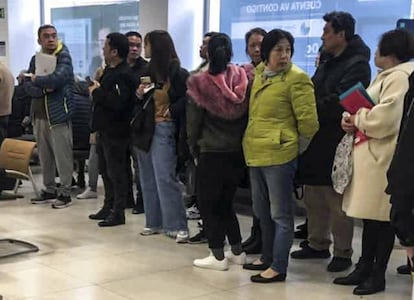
<point x="143" y="122"/>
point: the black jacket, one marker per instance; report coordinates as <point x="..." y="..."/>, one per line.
<point x="333" y="76"/>
<point x="142" y="137"/>
<point x="401" y="173"/>
<point x="81" y="116"/>
<point x="139" y="68"/>
<point x="113" y="101"/>
<point x="20" y="108"/>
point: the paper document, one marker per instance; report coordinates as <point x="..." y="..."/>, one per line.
<point x="45" y="63"/>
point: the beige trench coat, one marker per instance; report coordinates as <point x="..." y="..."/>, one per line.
<point x="365" y="198"/>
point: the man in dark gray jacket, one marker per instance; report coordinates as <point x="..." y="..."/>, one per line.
<point x="344" y="62"/>
<point x="51" y="112"/>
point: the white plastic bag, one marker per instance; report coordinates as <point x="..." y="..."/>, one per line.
<point x="342" y="166"/>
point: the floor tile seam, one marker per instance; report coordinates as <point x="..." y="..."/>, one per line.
<point x="100" y="285"/>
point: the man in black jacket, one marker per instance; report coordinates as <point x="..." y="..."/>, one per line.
<point x="139" y="68"/>
<point x="400" y="175"/>
<point x="344" y="62"/>
<point x="112" y="106"/>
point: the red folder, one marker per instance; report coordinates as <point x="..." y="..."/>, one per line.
<point x="352" y="100"/>
<point x="355" y="98"/>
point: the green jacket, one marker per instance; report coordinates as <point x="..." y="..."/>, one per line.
<point x="282" y="109"/>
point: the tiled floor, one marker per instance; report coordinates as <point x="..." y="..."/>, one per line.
<point x="79" y="260"/>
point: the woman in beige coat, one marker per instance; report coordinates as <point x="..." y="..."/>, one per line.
<point x="365" y="197"/>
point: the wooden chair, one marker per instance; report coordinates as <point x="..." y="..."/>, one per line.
<point x="14" y="159"/>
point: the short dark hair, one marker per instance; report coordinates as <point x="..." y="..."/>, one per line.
<point x="341" y="21"/>
<point x="397" y="42"/>
<point x="271" y="39"/>
<point x="220" y="51"/>
<point x="118" y="41"/>
<point x="256" y="30"/>
<point x="43" y="27"/>
<point x="133" y="33"/>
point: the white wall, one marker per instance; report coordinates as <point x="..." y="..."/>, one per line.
<point x="185" y="24"/>
<point x="183" y="19"/>
<point x="24" y="20"/>
<point x="153" y="14"/>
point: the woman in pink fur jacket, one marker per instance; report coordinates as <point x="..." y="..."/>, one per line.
<point x="216" y="119"/>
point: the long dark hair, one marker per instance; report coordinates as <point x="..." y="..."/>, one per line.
<point x="220" y="52"/>
<point x="162" y="54"/>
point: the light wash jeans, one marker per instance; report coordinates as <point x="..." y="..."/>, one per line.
<point x="273" y="204"/>
<point x="163" y="203"/>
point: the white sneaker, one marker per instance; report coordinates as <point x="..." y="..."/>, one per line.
<point x="210" y="262"/>
<point x="87" y="194"/>
<point x="182" y="237"/>
<point x="235" y="259"/>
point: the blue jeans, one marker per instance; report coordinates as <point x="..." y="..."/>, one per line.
<point x="273" y="204"/>
<point x="163" y="203"/>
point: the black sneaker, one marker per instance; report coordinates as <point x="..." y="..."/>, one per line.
<point x="199" y="238"/>
<point x="102" y="214"/>
<point x="44" y="197"/>
<point x="339" y="264"/>
<point x="62" y="202"/>
<point x="308" y="252"/>
<point x="404" y="270"/>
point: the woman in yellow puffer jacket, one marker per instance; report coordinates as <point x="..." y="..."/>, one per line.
<point x="282" y="121"/>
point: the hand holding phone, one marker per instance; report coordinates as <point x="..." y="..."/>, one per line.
<point x="89" y="81"/>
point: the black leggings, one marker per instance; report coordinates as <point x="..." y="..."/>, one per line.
<point x="218" y="177"/>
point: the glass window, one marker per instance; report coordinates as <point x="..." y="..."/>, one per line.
<point x="304" y="20"/>
<point x="83" y="26"/>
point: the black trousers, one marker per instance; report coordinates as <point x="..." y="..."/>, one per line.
<point x="218" y="176"/>
<point x="112" y="154"/>
<point x="138" y="200"/>
<point x="377" y="243"/>
<point x="4" y="121"/>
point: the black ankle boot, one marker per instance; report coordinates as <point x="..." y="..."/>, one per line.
<point x="254" y="231"/>
<point x="255" y="247"/>
<point x="374" y="284"/>
<point x="302" y="231"/>
<point x="360" y="274"/>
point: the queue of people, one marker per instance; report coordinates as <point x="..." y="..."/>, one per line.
<point x="268" y="116"/>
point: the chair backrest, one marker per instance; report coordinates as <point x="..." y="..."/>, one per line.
<point x="15" y="155"/>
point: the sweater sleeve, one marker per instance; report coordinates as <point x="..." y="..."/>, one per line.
<point x="384" y="119"/>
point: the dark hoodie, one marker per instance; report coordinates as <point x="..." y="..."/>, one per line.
<point x="217" y="110"/>
<point x="333" y="76"/>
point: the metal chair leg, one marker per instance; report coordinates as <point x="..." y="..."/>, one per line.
<point x="36" y="191"/>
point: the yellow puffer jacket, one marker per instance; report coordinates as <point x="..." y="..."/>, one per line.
<point x="282" y="108"/>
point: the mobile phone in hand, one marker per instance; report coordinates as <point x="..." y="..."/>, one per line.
<point x="89" y="81"/>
